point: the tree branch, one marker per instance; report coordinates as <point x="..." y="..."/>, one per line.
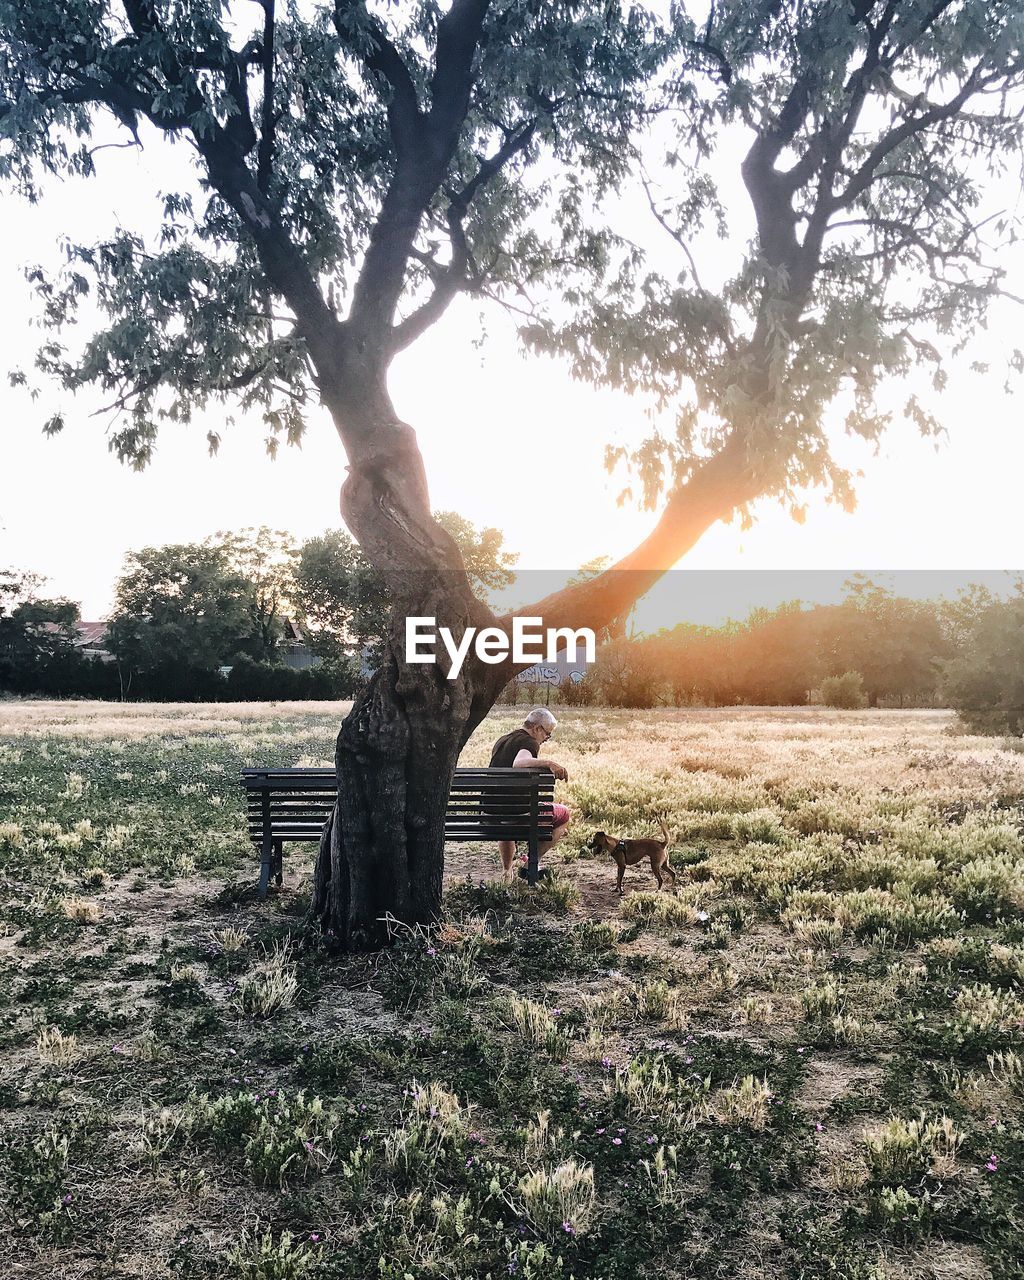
<point x="868" y="171"/>
<point x="418" y="174"/>
<point x="458" y="35"/>
<point x="450" y="281"/>
<point x="718" y="485"/>
<point x="265" y="153"/>
<point x="381" y="57"/>
<point x="515" y="141"/>
<point x="456" y="276"/>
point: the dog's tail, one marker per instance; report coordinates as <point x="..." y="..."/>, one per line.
<point x="664" y="831"/>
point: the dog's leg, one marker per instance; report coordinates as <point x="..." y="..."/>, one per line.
<point x="657" y="872"/>
<point x="667" y="868"/>
<point x="622" y="871"/>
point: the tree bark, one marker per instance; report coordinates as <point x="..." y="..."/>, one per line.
<point x="382" y="853"/>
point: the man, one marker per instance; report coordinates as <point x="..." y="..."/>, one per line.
<point x="518" y="750"/>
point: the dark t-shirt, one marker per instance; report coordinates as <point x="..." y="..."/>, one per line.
<point x="507" y="748"/>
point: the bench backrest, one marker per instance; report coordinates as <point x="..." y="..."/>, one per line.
<point x="495" y="804"/>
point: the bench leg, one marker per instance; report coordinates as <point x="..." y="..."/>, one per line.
<point x="532" y="872"/>
<point x="266" y="856"/>
<point x="279" y="861"/>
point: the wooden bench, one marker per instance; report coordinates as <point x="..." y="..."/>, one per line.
<point x="484" y="804"/>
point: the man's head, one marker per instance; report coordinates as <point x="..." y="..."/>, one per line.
<point x="540" y="724"/>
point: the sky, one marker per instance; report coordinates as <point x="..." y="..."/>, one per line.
<point x="509" y="440"/>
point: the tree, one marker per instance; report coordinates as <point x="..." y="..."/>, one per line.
<point x="624" y="677"/>
<point x="897" y="645"/>
<point x="340" y="149"/>
<point x="37" y="636"/>
<point x="263" y="558"/>
<point x="362" y="167"/>
<point x="984" y="682"/>
<point x="337" y="595"/>
<point x="775" y="655"/>
<point x="489" y="566"/>
<point x="697" y="663"/>
<point x="180" y="610"/>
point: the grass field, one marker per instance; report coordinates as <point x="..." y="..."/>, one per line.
<point x="807" y="1061"/>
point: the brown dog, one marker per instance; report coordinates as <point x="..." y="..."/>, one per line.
<point x="627" y="853"/>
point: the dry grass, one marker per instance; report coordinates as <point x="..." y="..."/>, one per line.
<point x="788" y="1031"/>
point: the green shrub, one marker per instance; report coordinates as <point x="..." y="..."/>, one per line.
<point x="845" y="692"/>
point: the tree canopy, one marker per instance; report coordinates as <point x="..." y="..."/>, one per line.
<point x="181" y="606"/>
<point x="36" y="634"/>
<point x="873" y="140"/>
<point x="358" y="166"/>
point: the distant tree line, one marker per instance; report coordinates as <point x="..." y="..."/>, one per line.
<point x="209" y="621"/>
<point x="873" y="649"/>
<point x="213" y="620"/>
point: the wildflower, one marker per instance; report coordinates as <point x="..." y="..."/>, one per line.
<point x="431" y="951"/>
<point x="599" y="1131"/>
<point x="818" y="1126"/>
<point x="617" y="1142"/>
<point x="568" y="1228"/>
<point x="314" y="1236"/>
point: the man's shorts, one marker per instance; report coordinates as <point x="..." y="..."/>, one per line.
<point x="561" y="813"/>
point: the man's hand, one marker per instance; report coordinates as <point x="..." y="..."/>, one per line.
<point x="560" y="773"/>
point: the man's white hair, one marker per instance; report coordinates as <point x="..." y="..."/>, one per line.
<point x="541" y="716"/>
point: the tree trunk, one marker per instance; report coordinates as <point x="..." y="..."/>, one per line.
<point x="382" y="854"/>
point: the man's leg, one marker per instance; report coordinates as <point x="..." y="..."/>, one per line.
<point x="556" y="835"/>
<point x="562" y="819"/>
<point x="507" y="849"/>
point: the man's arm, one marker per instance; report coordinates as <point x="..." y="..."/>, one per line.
<point x="524" y="760"/>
